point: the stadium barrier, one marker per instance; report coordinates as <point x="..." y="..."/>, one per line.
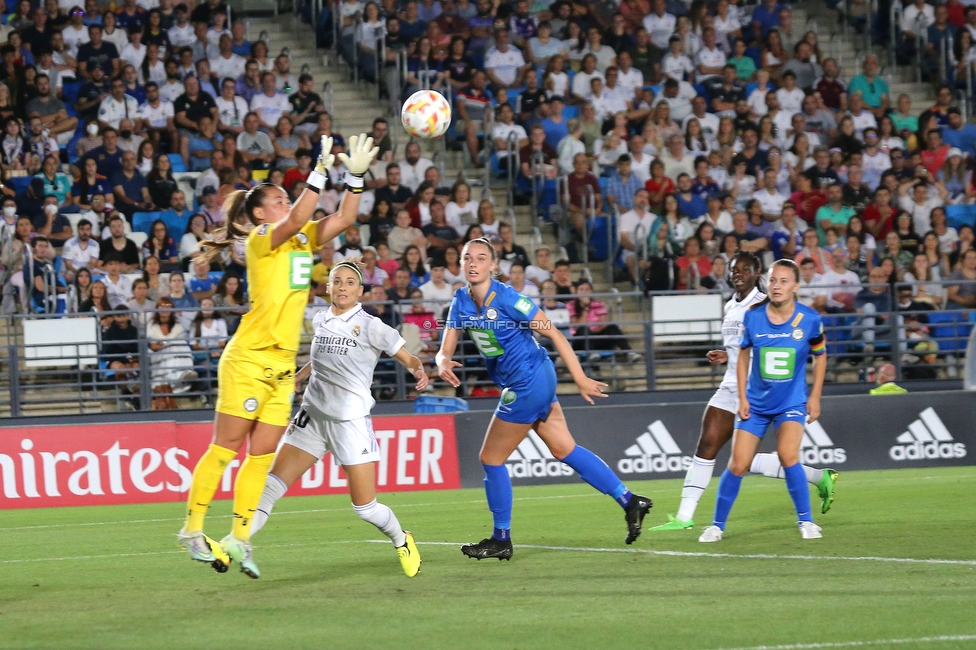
<point x="856" y="432"/>
<point x="146" y="462"/>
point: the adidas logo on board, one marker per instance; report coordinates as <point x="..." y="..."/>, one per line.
<point x="927" y="438"/>
<point x="654" y="451"/>
<point x="532" y="459"/>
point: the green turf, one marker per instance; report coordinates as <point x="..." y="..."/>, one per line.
<point x="83" y="581"/>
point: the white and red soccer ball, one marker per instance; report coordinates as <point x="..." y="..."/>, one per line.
<point x="426" y="114"/>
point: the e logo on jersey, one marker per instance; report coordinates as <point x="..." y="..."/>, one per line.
<point x="524" y="305"/>
<point x="251" y="404"/>
<point x="491" y="313"/>
<point x="777" y="363"/>
<point x="486" y="342"/>
<point x="797" y="334"/>
<point x="299" y="270"/>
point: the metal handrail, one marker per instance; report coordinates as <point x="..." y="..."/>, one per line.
<point x="329" y="98"/>
<point x="354" y="64"/>
<point x="921" y="40"/>
<point x="512" y="220"/>
<point x="894" y="17"/>
<point x="379" y="51"/>
<point x="511" y="154"/>
<point x="588" y="201"/>
<point x="537" y="173"/>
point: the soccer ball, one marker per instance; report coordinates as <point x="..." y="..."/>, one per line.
<point x="426" y="114"/>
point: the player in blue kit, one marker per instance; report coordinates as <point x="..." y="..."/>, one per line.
<point x="500" y="322"/>
<point x="779" y="335"/>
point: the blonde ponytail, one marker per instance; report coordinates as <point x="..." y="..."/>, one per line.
<point x="241" y="202"/>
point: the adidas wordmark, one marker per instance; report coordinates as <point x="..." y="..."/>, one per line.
<point x="654" y="451"/>
<point x="927" y="438"/>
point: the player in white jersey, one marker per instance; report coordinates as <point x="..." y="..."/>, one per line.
<point x="718" y="422"/>
<point x="335" y="410"/>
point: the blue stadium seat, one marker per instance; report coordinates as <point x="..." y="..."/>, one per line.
<point x="69" y="92"/>
<point x="570" y="112"/>
<point x="513" y="94"/>
<point x="961" y="215"/>
<point x="176" y="160"/>
<point x="142" y="221"/>
<point x="756" y="55"/>
<point x="20" y="183"/>
<point x="599" y="248"/>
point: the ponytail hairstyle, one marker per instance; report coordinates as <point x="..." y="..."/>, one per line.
<point x="754" y="262"/>
<point x="241" y="202"/>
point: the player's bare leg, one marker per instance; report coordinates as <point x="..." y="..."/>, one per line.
<point x="744" y="448"/>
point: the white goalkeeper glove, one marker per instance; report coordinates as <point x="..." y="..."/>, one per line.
<point x="320" y="174"/>
<point x="361" y="155"/>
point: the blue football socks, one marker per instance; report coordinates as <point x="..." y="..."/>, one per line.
<point x="796" y="484"/>
<point x="728" y="490"/>
<point x="597" y="473"/>
<point x="498" y="490"/>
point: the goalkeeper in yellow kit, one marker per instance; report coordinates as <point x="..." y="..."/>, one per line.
<point x="256" y="375"/>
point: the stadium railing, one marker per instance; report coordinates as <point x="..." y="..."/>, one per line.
<point x="59" y="362"/>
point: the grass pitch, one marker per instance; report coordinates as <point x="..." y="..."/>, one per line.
<point x="112" y="577"/>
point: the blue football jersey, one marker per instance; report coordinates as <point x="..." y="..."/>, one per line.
<point x="778" y="380"/>
<point x="500" y="331"/>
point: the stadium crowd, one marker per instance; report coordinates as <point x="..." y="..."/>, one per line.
<point x="700" y="129"/>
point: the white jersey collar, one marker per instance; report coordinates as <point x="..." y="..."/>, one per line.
<point x="329" y="315"/>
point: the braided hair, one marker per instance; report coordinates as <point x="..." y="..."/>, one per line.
<point x="753" y="260"/>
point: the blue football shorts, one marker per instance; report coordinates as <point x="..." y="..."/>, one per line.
<point x="758" y="423"/>
<point x="529" y="400"/>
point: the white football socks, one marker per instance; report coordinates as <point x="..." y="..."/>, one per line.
<point x="768" y="465"/>
<point x="696" y="480"/>
<point x="274" y="489"/>
<point x="383" y="518"/>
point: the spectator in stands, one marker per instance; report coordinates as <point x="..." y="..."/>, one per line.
<point x="873" y="303"/>
<point x="140" y="305"/>
<point x="56" y="183"/>
<point x="97" y="303"/>
<point x="160" y="182"/>
<point x="580" y="178"/>
<point x="80" y="252"/>
<point x="396" y="193"/>
<point x="157" y="116"/>
<point x="116" y="106"/>
<point x="170" y="356"/>
<point x="108" y="156"/>
<point x="51" y="224"/>
<point x="128" y="140"/>
<point x="404" y="234"/>
<point x="439" y="234"/>
<point x="811" y="250"/>
<point x="832" y="90"/>
<point x="692" y="266"/>
<point x="202" y="285"/>
<point x="39" y="272"/>
<point x="811" y="292"/>
<point x="118" y="286"/>
<point x="161" y="246"/>
<point x="841" y="300"/>
<point x="413" y="167"/>
<point x="120" y="347"/>
<point x="118" y="245"/>
<point x="255" y="146"/>
<point x="765" y="17"/>
<point x="130" y="189"/>
<point x="305" y="105"/>
<point x="873" y="89"/>
<point x="677" y="160"/>
<point x="226" y="63"/>
<point x="623" y="185"/>
<point x="51" y="112"/>
<point x="400" y="290"/>
<point x="269" y="105"/>
<point x="962" y="283"/>
<point x="900" y="258"/>
<point x="181" y="298"/>
<point x="195" y="233"/>
<point x="835" y="214"/>
<point x="436" y="291"/>
<point x="189" y="108"/>
<point x="593" y="332"/>
<point x="97" y="53"/>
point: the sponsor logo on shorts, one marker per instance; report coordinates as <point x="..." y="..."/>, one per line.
<point x="532" y="459"/>
<point x="251" y="404"/>
<point x="927" y="438"/>
<point x="817" y="448"/>
<point x="509" y="396"/>
<point x="654" y="451"/>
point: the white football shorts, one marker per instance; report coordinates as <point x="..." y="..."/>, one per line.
<point x="352" y="442"/>
<point x="725" y="398"/>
